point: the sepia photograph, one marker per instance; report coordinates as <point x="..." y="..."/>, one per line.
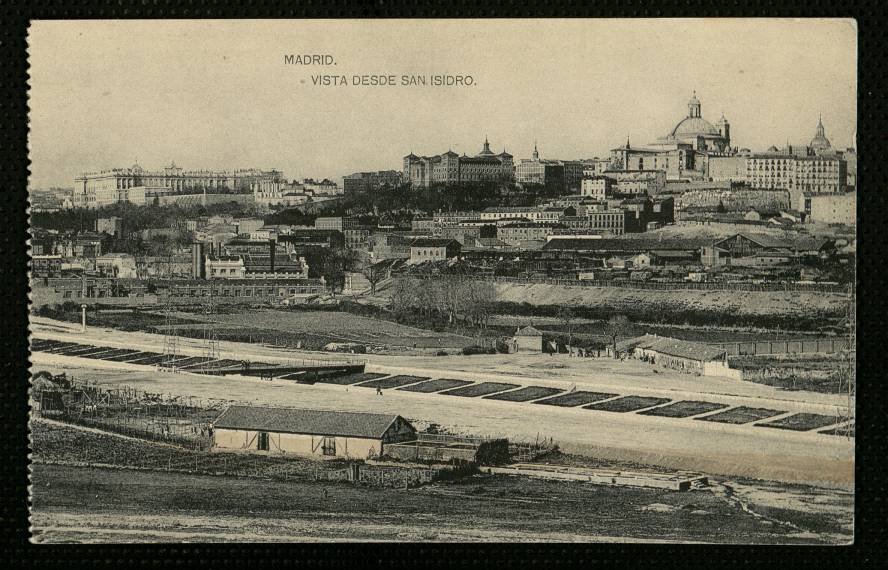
<point x="443" y="281"/>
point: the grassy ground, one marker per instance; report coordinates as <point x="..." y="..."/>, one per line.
<point x="810" y="372"/>
<point x="108" y="505"/>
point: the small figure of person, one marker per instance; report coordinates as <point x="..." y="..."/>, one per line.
<point x="378" y="391"/>
<point x="325" y="493"/>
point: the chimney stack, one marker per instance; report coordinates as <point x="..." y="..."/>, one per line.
<point x="271" y="247"/>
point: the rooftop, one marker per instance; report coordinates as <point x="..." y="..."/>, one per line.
<point x="314" y="422"/>
<point x="673" y="347"/>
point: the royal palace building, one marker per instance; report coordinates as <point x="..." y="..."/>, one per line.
<point x="135" y="184"/>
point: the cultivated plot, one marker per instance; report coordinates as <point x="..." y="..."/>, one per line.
<point x="393" y="381"/>
<point x="684" y="409"/>
<point x="627" y="404"/>
<point x="801" y="422"/>
<point x="578" y="398"/>
<point x="436" y="385"/>
<point x="741" y="415"/>
<point x="482" y="389"/>
<point x="350" y="378"/>
<point x="525" y="394"/>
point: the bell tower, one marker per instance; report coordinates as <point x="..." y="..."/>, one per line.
<point x="694" y="106"/>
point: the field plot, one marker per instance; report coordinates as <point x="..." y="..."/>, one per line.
<point x="113" y="353"/>
<point x="70" y="349"/>
<point x="393" y="381"/>
<point x="130" y="355"/>
<point x="149" y="360"/>
<point x="573" y="399"/>
<point x="525" y="394"/>
<point x="481" y="389"/>
<point x="627" y="404"/>
<point x="741" y="415"/>
<point x="847" y="431"/>
<point x="802" y="422"/>
<point x="436" y="385"/>
<point x="684" y="409"/>
<point x="316" y="328"/>
<point x="350" y="378"/>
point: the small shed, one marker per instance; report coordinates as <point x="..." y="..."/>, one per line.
<point x="309" y="432"/>
<point x="527" y="339"/>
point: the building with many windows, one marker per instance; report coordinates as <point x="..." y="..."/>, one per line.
<point x="451" y="168"/>
<point x="134" y="184"/>
<point x="369" y="181"/>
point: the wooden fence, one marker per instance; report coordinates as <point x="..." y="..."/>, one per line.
<point x="766" y="347"/>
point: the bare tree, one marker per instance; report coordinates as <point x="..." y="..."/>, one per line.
<point x="374" y="274"/>
<point x="566" y="316"/>
<point x="617" y="325"/>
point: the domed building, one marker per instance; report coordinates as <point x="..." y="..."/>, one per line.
<point x="684" y="153"/>
<point x="696" y="131"/>
<point x="820" y="143"/>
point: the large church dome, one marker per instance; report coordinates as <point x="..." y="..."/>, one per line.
<point x="693" y="126"/>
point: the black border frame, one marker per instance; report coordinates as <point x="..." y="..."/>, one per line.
<point x="869" y="548"/>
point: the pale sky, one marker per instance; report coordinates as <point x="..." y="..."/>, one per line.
<point x="217" y="94"/>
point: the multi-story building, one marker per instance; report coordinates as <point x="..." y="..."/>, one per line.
<point x="637" y="182"/>
<point x="323" y="187"/>
<point x="225" y="267"/>
<point x="838" y="208"/>
<point x="603" y="221"/>
<point x="597" y="186"/>
<point x="451" y="168"/>
<point x="531" y="213"/>
<point x="96" y="189"/>
<point x="812" y="168"/>
<point x="370" y="181"/>
<point x="564" y="175"/>
<point x="433" y="249"/>
<point x="519" y="233"/>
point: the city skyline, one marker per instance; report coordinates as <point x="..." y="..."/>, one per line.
<point x="582" y="104"/>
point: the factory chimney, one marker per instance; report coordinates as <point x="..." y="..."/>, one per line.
<point x="272" y="243"/>
<point x="198" y="261"/>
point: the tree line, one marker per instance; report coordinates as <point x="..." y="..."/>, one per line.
<point x="451" y="300"/>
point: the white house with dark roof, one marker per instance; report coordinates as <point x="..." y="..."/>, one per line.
<point x="309" y="432"/>
<point x="681" y="355"/>
<point x="527" y="339"/>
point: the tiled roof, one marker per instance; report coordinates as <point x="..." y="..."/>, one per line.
<point x="673" y="347"/>
<point x="528" y="331"/>
<point x="432" y="242"/>
<point x="314" y="422"/>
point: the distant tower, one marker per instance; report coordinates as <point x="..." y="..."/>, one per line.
<point x="820" y="142"/>
<point x="536" y="153"/>
<point x="694" y="106"/>
<point x="724" y="127"/>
